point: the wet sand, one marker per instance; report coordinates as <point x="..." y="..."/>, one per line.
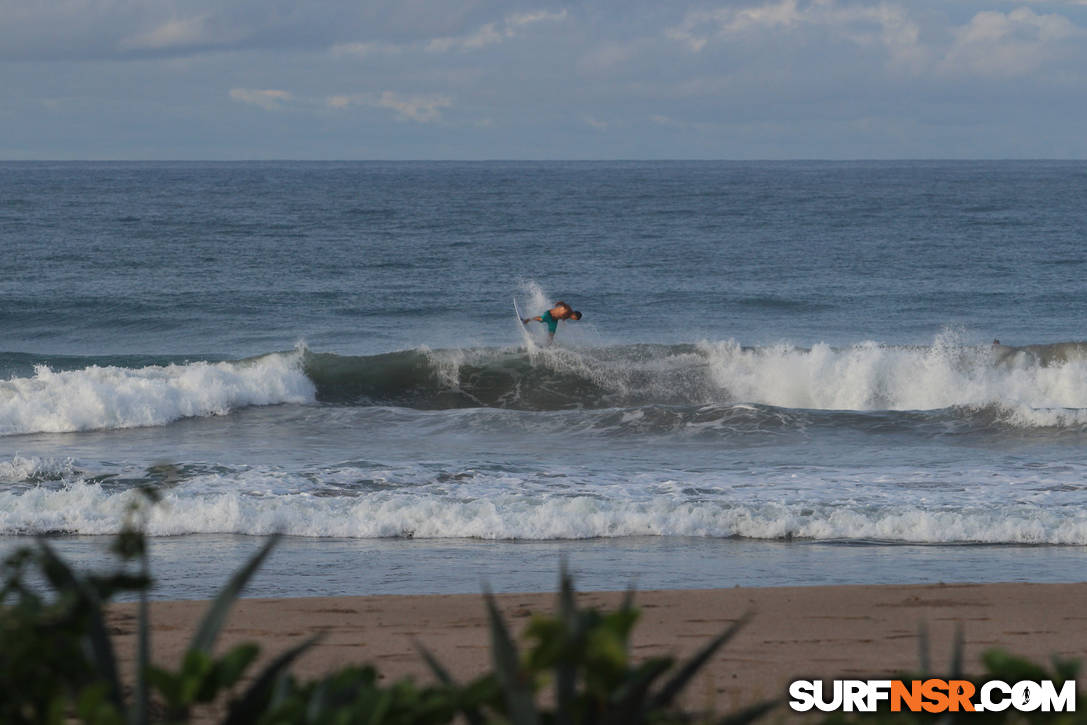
<point x="795" y="631"/>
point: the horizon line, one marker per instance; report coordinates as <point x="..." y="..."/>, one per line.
<point x="888" y="159"/>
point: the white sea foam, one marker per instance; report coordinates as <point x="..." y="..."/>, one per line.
<point x="870" y="376"/>
<point x="114" y="397"/>
<point x="21" y="468"/>
<point x="87" y="508"/>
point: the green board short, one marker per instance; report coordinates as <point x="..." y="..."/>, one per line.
<point x="551" y="322"/>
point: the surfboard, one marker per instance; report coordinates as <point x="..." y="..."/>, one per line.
<point x="525" y="334"/>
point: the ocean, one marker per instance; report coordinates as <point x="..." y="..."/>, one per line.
<point x="786" y="373"/>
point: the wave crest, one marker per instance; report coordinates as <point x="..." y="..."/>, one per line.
<point x="97" y="397"/>
<point x="1034" y="386"/>
<point x="88" y="508"/>
<point x="1031" y="386"/>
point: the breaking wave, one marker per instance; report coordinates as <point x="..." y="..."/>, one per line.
<point x="89" y="508"/>
<point x="103" y="397"/>
<point x="1033" y="386"/>
<point x="1027" y="387"/>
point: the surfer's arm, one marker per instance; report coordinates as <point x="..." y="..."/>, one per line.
<point x="527" y="320"/>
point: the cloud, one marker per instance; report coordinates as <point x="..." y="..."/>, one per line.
<point x="884" y="24"/>
<point x="175" y="34"/>
<point x="367" y="49"/>
<point x="667" y="79"/>
<point x="138" y="29"/>
<point x="606" y="56"/>
<point x="489" y="34"/>
<point x="700" y="27"/>
<point x="783" y="15"/>
<point x="492" y="33"/>
<point x="408" y="107"/>
<point x="423" y="109"/>
<point x="269" y="100"/>
<point x="1009" y="44"/>
<point x="992" y="43"/>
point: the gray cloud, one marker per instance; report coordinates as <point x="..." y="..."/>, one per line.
<point x="480" y="78"/>
<point x="120" y="29"/>
<point x="1016" y="43"/>
<point x="493" y="33"/>
<point x="407" y="107"/>
<point x="269" y="100"/>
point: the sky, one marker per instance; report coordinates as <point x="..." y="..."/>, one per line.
<point x="477" y="79"/>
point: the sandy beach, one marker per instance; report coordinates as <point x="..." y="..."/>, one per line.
<point x="795" y="632"/>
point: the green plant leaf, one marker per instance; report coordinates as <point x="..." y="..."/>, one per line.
<point x="958" y="645"/>
<point x="507" y="668"/>
<point x="229" y="668"/>
<point x="626" y="705"/>
<point x="129" y="544"/>
<point x="628" y="600"/>
<point x="566" y="671"/>
<point x="1011" y="668"/>
<point x="94" y="707"/>
<point x="567" y="602"/>
<point x="318" y="701"/>
<point x="213" y="620"/>
<point x="167" y="683"/>
<point x="248" y="708"/>
<point x="471" y="714"/>
<point x="196" y="668"/>
<point x="64" y="579"/>
<point x="139" y="714"/>
<point x="1065" y="669"/>
<point x="682" y="677"/>
<point x="381" y="707"/>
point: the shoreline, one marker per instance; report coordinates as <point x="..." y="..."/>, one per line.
<point x="196" y="566"/>
<point x="796" y="632"/>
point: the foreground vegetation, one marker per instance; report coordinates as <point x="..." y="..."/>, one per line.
<point x="58" y="665"/>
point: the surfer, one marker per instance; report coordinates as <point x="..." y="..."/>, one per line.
<point x="561" y="311"/>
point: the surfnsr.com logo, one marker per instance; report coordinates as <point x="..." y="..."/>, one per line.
<point x="932" y="695"/>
